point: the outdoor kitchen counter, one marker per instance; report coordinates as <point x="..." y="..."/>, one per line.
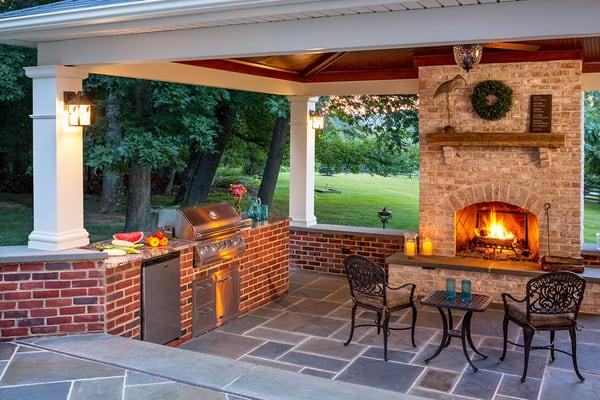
<point x="147" y="252"/>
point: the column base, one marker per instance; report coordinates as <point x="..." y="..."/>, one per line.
<point x="303" y="223"/>
<point x="58" y="241"/>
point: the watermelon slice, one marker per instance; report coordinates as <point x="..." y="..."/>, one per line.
<point x="132" y="237"/>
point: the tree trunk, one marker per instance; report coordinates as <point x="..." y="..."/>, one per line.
<point x="170" y="183"/>
<point x="112" y="193"/>
<point x="271" y="172"/>
<point x="205" y="164"/>
<point x="138" y="214"/>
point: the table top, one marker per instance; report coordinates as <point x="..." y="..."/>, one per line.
<point x="479" y="302"/>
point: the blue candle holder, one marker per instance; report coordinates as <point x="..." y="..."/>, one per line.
<point x="450" y="289"/>
<point x="465" y="295"/>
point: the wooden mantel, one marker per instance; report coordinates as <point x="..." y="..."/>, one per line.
<point x="496" y="139"/>
<point x="540" y="141"/>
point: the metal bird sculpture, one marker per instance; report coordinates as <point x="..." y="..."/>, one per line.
<point x="449" y="86"/>
<point x="446" y="88"/>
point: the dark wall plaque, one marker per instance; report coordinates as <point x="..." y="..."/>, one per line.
<point x="540" y="113"/>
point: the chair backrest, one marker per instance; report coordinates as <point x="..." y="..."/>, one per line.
<point x="559" y="292"/>
<point x="365" y="277"/>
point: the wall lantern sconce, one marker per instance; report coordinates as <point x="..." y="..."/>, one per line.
<point x="78" y="109"/>
<point x="316" y="120"/>
<point x="468" y="56"/>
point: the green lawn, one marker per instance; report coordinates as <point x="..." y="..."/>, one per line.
<point x="360" y="198"/>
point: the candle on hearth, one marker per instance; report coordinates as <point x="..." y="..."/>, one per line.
<point x="427" y="247"/>
<point x="410" y="247"/>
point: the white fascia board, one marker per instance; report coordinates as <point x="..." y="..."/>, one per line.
<point x="147" y="13"/>
<point x="441" y="26"/>
<point x="192" y="75"/>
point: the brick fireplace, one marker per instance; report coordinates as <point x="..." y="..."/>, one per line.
<point x="457" y="177"/>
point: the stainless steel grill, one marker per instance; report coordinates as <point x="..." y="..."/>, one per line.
<point x="215" y="226"/>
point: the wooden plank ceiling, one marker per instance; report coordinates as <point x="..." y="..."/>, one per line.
<point x="397" y="63"/>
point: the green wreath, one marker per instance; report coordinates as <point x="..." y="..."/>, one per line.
<point x="502" y="94"/>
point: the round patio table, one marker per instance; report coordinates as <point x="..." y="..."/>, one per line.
<point x="479" y="303"/>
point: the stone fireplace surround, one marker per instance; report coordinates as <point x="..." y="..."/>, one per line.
<point x="454" y="177"/>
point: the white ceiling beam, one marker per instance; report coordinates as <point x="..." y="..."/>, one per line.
<point x="590" y="81"/>
<point x="440" y="26"/>
<point x="192" y="75"/>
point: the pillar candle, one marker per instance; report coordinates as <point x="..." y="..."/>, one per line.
<point x="427" y="247"/>
<point x="409" y="247"/>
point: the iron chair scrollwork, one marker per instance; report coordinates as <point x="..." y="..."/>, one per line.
<point x="551" y="303"/>
<point x="369" y="288"/>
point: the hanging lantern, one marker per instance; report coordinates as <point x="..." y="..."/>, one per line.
<point x="78" y="109"/>
<point x="317" y="121"/>
<point x="468" y="55"/>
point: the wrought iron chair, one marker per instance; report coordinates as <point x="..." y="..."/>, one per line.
<point x="551" y="304"/>
<point x="369" y="288"/>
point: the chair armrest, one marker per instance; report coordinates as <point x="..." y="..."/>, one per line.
<point x="407" y="286"/>
<point x="507" y="296"/>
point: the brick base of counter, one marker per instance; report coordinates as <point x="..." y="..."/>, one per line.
<point x="325" y="251"/>
<point x="51" y="299"/>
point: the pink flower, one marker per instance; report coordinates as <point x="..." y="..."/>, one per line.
<point x="237" y="191"/>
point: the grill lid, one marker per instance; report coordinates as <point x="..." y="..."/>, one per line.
<point x="211" y="217"/>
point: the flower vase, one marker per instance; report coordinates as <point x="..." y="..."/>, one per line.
<point x="238" y="205"/>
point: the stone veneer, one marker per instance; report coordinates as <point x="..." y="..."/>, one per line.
<point x="454" y="177"/>
<point x="324" y="250"/>
<point x="83" y="297"/>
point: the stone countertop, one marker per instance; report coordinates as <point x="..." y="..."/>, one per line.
<point x="23" y="254"/>
<point x="175" y="245"/>
<point x="148" y="252"/>
<point x="476" y="265"/>
<point x="355" y="230"/>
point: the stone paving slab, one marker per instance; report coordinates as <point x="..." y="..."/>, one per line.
<point x="163" y="361"/>
<point x="196" y="375"/>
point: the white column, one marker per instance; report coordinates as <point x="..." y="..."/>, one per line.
<point x="302" y="162"/>
<point x="57" y="162"/>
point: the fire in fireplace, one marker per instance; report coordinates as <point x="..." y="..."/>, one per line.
<point x="497" y="231"/>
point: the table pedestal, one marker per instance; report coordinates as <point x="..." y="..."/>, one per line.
<point x="464" y="334"/>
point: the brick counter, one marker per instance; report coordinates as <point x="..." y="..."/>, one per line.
<point x="323" y="248"/>
<point x="53" y="298"/>
<point x="50" y="298"/>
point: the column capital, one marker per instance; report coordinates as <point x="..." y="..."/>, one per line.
<point x="55" y="71"/>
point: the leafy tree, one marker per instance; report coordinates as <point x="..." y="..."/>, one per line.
<point x="592" y="139"/>
<point x="374" y="134"/>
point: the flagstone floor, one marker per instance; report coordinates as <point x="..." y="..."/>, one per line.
<point x="30" y="373"/>
<point x="305" y="330"/>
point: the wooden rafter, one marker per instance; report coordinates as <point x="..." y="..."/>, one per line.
<point x="323" y="62"/>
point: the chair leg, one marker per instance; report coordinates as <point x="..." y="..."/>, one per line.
<point x="352" y="325"/>
<point x="505" y="336"/>
<point x="574" y="353"/>
<point x="413" y="326"/>
<point x="552" y="346"/>
<point x="386" y="332"/>
<point x="378" y="322"/>
<point x="528" y="336"/>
